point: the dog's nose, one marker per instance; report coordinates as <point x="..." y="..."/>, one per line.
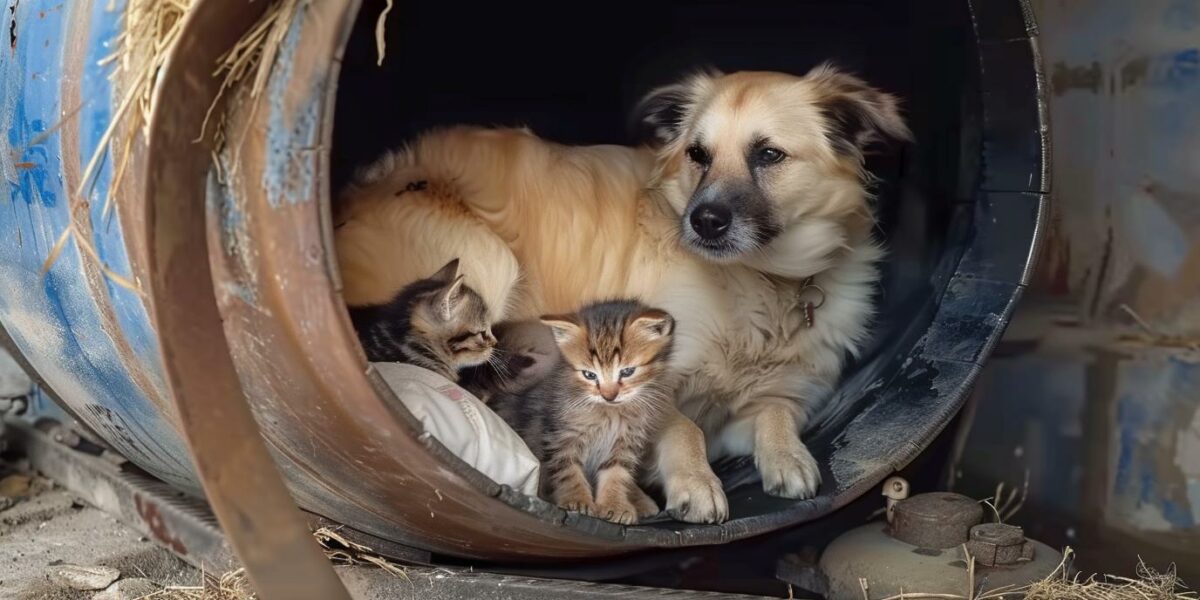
<point x="711" y="221"/>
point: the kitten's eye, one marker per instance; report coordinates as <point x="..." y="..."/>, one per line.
<point x="770" y="156"/>
<point x="628" y="371"/>
<point x="697" y="154"/>
<point x="588" y="375"/>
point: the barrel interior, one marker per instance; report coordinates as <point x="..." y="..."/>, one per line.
<point x="573" y="75"/>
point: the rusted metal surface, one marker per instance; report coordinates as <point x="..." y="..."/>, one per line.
<point x="935" y="520"/>
<point x="240" y="479"/>
<point x="998" y="544"/>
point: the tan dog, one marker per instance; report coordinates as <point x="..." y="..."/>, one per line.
<point x="755" y="185"/>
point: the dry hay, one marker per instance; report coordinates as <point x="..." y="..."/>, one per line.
<point x="1148" y="585"/>
<point x="231" y="586"/>
<point x="151" y="28"/>
<point x="342" y="551"/>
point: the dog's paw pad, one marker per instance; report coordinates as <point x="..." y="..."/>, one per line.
<point x="697" y="498"/>
<point x="792" y="473"/>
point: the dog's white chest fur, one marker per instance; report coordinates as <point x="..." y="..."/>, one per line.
<point x="745" y="342"/>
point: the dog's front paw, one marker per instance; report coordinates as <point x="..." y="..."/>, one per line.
<point x="696" y="497"/>
<point x="789" y="472"/>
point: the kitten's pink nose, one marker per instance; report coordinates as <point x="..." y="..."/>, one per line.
<point x="609" y="391"/>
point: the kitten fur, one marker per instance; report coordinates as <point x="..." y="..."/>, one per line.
<point x="591" y="419"/>
<point x="438" y="323"/>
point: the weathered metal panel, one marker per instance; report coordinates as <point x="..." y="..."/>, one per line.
<point x="1099" y="396"/>
<point x="1125" y="106"/>
<point x="90" y="338"/>
<point x="1153" y="446"/>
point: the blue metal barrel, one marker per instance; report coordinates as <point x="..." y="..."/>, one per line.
<point x="88" y="338"/>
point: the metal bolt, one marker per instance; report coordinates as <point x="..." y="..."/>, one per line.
<point x="895" y="489"/>
<point x="994" y="544"/>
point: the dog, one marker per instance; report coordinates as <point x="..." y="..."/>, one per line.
<point x="747" y="216"/>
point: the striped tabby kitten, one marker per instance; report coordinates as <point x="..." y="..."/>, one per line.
<point x="437" y="323"/>
<point x="590" y="420"/>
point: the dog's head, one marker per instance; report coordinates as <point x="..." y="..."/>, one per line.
<point x="766" y="169"/>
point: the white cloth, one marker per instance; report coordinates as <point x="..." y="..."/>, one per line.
<point x="465" y="425"/>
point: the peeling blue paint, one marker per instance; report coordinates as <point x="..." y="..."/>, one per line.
<point x="289" y="171"/>
<point x="53" y="318"/>
<point x="1150" y="491"/>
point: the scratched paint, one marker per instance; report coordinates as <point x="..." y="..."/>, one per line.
<point x="54" y="318"/>
<point x="1125" y="115"/>
<point x="108" y="236"/>
<point x="293" y="132"/>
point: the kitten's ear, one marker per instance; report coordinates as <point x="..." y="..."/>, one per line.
<point x="446" y="274"/>
<point x="564" y="327"/>
<point x="654" y="322"/>
<point x="450" y="297"/>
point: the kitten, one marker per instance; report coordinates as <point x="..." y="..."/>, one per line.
<point x="592" y="417"/>
<point x="438" y="323"/>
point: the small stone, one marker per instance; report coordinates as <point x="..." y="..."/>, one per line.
<point x="15" y="486"/>
<point x="85" y="578"/>
<point x="128" y="589"/>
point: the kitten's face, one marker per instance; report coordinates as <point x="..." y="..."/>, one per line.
<point x="618" y="351"/>
<point x="453" y="319"/>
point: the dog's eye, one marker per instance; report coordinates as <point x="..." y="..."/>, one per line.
<point x="588" y="375"/>
<point x="770" y="155"/>
<point x="698" y="155"/>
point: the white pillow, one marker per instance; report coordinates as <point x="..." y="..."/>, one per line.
<point x="466" y="426"/>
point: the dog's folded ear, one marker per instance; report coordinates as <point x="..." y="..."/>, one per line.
<point x="661" y="115"/>
<point x="858" y="115"/>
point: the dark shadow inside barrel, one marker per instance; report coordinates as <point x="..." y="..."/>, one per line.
<point x="573" y="73"/>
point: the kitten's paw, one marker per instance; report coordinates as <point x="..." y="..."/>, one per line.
<point x="696" y="497"/>
<point x="788" y="471"/>
<point x="583" y="507"/>
<point x="621" y="511"/>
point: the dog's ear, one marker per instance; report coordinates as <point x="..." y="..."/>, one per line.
<point x="659" y="118"/>
<point x="858" y="115"/>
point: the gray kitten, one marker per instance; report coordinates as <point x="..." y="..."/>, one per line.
<point x="591" y="419"/>
<point x="438" y="323"/>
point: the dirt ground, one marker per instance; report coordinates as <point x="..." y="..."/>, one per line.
<point x="46" y="528"/>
